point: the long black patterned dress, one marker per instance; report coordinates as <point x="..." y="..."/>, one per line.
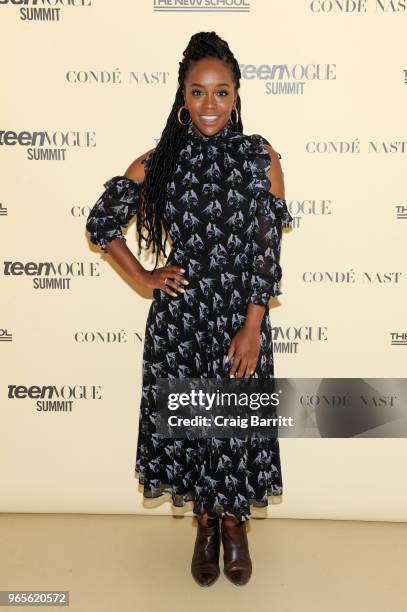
<point x="226" y="229"/>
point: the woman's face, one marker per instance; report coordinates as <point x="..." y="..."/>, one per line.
<point x="209" y="93"/>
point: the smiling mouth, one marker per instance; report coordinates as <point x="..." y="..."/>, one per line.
<point x="209" y="118"/>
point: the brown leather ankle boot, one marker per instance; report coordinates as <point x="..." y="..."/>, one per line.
<point x="205" y="560"/>
<point x="236" y="556"/>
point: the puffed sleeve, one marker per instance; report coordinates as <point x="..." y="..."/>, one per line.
<point x="271" y="214"/>
<point x="113" y="210"/>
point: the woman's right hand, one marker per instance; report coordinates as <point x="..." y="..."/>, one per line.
<point x="156" y="279"/>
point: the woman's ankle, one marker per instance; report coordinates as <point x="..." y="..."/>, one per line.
<point x="208" y="521"/>
<point x="233" y="520"/>
<point x="202" y="519"/>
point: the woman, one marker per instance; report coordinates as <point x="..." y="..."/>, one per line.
<point x="208" y="186"/>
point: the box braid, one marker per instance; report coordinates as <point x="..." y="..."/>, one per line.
<point x="162" y="163"/>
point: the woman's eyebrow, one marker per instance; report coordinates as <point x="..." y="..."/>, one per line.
<point x="218" y="85"/>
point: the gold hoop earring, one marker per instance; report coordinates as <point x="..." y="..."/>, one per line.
<point x="178" y="116"/>
<point x="237" y="116"/>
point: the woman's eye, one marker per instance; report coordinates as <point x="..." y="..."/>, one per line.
<point x="199" y="91"/>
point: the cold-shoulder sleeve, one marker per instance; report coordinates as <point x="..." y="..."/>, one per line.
<point x="271" y="214"/>
<point x="113" y="210"/>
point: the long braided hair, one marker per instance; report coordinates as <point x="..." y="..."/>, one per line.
<point x="162" y="163"/>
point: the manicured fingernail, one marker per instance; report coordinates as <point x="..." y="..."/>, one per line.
<point x="182" y="270"/>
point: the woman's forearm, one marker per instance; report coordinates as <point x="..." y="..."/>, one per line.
<point x="122" y="255"/>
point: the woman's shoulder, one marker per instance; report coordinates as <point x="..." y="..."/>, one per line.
<point x="137" y="169"/>
<point x="266" y="161"/>
<point x="263" y="155"/>
<point x="126" y="187"/>
<point x="262" y="145"/>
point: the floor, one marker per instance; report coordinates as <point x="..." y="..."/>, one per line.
<point x="134" y="562"/>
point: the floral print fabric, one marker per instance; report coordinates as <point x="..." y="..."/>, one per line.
<point x="226" y="229"/>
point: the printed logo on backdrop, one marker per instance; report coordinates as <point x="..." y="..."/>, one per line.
<point x="3" y="210"/>
<point x="401" y="211"/>
<point x="308" y="208"/>
<point x="119" y="336"/>
<point x="5" y="335"/>
<point x="47" y="145"/>
<point x="398" y="338"/>
<point x="117" y="77"/>
<point x="44" y="10"/>
<point x="353" y="277"/>
<point x="51" y="275"/>
<point x="201" y="6"/>
<point x="53" y="398"/>
<point x="287" y="80"/>
<point x="355" y="146"/>
<point x="352" y="7"/>
<point x="290" y="340"/>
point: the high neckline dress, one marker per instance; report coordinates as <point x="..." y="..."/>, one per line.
<point x="226" y="229"/>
